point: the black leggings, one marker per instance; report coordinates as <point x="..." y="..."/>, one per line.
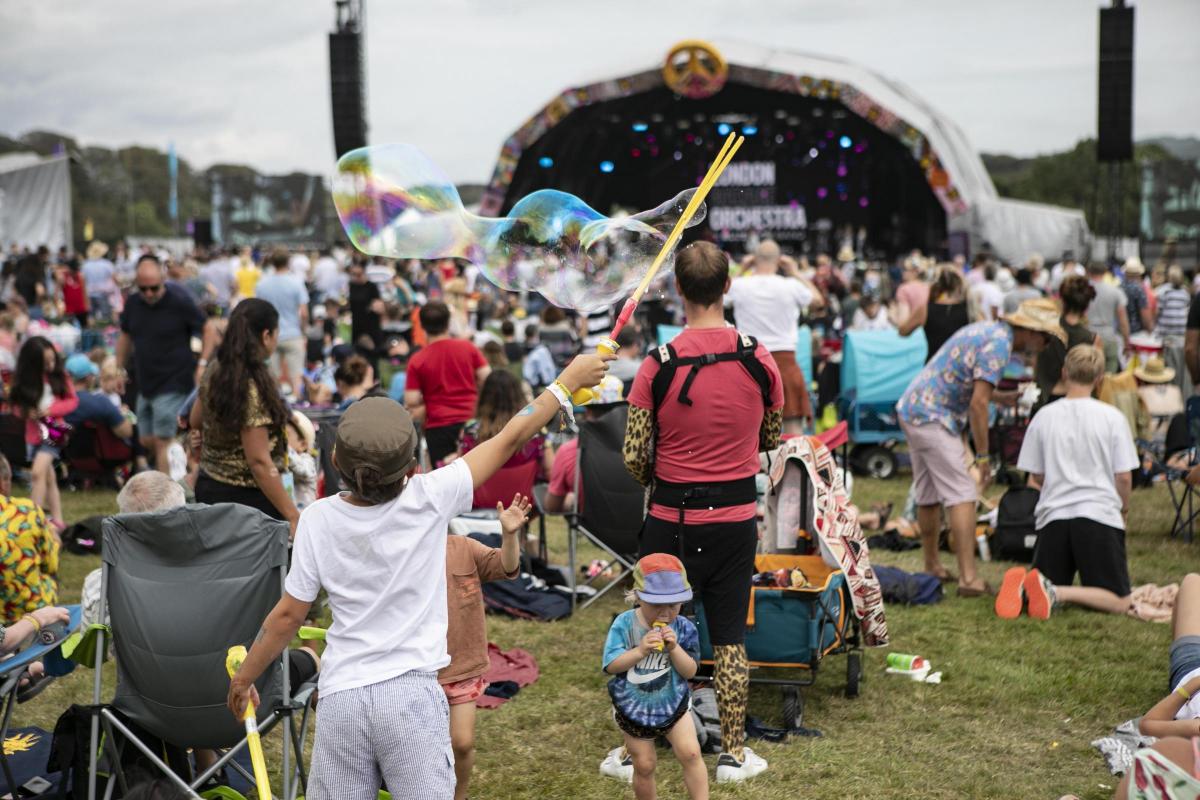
<point x="212" y="491"/>
<point x="719" y="559"/>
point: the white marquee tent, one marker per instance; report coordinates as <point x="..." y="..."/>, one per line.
<point x="35" y="201"/>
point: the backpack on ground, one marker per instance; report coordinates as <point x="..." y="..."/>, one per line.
<point x="1016" y="525"/>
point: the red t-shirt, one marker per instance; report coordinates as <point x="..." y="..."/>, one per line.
<point x="444" y="374"/>
<point x="716" y="438"/>
<point x="74" y="294"/>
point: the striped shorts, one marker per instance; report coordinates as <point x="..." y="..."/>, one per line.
<point x="395" y="732"/>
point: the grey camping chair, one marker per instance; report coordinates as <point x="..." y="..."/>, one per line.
<point x="181" y="587"/>
<point x="608" y="504"/>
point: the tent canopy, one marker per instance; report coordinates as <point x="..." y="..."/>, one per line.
<point x="35" y="201"/>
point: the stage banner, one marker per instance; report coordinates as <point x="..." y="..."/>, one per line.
<point x="35" y="202"/>
<point x="744" y="202"/>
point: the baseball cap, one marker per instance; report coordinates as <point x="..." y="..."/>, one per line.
<point x="661" y="579"/>
<point x="80" y="366"/>
<point x="378" y="434"/>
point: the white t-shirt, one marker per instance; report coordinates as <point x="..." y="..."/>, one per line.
<point x="990" y="300"/>
<point x="328" y="277"/>
<point x="384" y="569"/>
<point x="98" y="275"/>
<point x="300" y="264"/>
<point x="1190" y="709"/>
<point x="768" y="307"/>
<point x="879" y="322"/>
<point x="1078" y="445"/>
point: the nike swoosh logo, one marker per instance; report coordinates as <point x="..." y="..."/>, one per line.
<point x="636" y="677"/>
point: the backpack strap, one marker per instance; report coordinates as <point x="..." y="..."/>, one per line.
<point x="668" y="362"/>
<point x="748" y="355"/>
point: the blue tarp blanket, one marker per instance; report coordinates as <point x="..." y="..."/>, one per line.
<point x="877" y="366"/>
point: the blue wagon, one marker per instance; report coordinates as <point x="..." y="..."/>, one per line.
<point x="877" y="367"/>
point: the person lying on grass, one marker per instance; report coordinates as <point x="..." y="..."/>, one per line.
<point x="379" y="552"/>
<point x="652" y="652"/>
<point x="1171" y="768"/>
<point x="470" y="563"/>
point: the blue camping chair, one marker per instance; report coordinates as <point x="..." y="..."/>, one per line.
<point x="877" y="367"/>
<point x="13" y="669"/>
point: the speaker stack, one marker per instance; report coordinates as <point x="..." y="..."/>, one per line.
<point x="1115" y="106"/>
<point x="348" y="89"/>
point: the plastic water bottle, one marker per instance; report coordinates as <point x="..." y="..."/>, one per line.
<point x="985" y="550"/>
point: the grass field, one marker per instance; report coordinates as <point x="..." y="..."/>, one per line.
<point x="1019" y="702"/>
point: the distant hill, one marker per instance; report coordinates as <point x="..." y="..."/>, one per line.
<point x="125" y="191"/>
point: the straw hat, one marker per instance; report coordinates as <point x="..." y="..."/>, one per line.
<point x="1135" y="267"/>
<point x="308" y="431"/>
<point x="845" y="254"/>
<point x="96" y="249"/>
<point x="1040" y="315"/>
<point x="1154" y="370"/>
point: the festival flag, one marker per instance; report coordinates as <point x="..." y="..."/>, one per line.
<point x="173" y="172"/>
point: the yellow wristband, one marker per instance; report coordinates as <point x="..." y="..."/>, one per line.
<point x="563" y="386"/>
<point x="37" y="626"/>
<point x="1179" y="690"/>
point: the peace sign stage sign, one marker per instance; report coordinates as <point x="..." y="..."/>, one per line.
<point x="695" y="69"/>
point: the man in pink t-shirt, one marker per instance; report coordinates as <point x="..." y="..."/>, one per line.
<point x="722" y="407"/>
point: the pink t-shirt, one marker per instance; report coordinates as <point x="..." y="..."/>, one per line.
<point x="562" y="475"/>
<point x="914" y="294"/>
<point x="716" y="438"/>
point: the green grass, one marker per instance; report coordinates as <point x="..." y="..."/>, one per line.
<point x="1019" y="702"/>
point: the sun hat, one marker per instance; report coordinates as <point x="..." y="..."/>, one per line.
<point x="79" y="366"/>
<point x="660" y="578"/>
<point x="96" y="249"/>
<point x="846" y="253"/>
<point x="307" y="431"/>
<point x="1154" y="370"/>
<point x="1135" y="267"/>
<point x="1040" y="315"/>
<point x="376" y="433"/>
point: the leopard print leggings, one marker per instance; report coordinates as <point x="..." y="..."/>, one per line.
<point x="731" y="679"/>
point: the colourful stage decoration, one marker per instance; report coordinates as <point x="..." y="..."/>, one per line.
<point x="396" y="203"/>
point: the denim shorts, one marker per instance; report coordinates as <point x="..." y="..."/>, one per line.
<point x="1185" y="657"/>
<point x="159" y="415"/>
<point x="32" y="450"/>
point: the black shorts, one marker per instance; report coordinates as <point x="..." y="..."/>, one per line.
<point x="1095" y="550"/>
<point x="442" y="442"/>
<point x="302" y="667"/>
<point x="212" y="491"/>
<point x="719" y="559"/>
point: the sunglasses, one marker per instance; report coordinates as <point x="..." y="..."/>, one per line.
<point x="150" y="289"/>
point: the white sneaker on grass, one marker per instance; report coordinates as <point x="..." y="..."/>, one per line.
<point x="617" y="764"/>
<point x="730" y="771"/>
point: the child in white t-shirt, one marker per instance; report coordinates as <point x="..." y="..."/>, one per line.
<point x="378" y="550"/>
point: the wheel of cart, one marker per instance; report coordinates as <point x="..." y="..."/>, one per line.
<point x="795" y="629"/>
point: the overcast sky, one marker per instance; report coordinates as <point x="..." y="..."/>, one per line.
<point x="247" y="81"/>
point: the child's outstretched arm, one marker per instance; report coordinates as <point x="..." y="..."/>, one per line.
<point x="486" y="460"/>
<point x="512" y="521"/>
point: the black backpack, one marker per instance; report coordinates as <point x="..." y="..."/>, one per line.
<point x="669" y="361"/>
<point x="1016" y="527"/>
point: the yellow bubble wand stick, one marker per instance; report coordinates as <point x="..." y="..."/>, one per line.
<point x="728" y="150"/>
<point x="233" y="662"/>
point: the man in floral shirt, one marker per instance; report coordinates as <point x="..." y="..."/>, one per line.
<point x="28" y="554"/>
<point x="949" y="395"/>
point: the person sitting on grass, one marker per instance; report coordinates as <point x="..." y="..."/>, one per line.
<point x="1175" y="720"/>
<point x="378" y="550"/>
<point x="652" y="652"/>
<point x="1079" y="454"/>
<point x="469" y="564"/>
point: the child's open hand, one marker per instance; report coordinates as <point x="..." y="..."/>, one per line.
<point x="513" y="518"/>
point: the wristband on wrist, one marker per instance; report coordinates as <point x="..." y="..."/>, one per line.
<point x="37" y="626"/>
<point x="1182" y="692"/>
<point x="983" y="458"/>
<point x="559" y="390"/>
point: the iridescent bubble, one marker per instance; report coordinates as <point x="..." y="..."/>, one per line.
<point x="394" y="202"/>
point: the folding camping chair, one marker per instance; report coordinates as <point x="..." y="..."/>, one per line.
<point x="1186" y="509"/>
<point x="182" y="586"/>
<point x="608" y="505"/>
<point x="12" y="670"/>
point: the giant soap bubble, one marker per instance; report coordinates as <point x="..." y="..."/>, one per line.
<point x="394" y="202"/>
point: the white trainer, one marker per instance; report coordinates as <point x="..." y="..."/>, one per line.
<point x="617" y="764"/>
<point x="730" y="771"/>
